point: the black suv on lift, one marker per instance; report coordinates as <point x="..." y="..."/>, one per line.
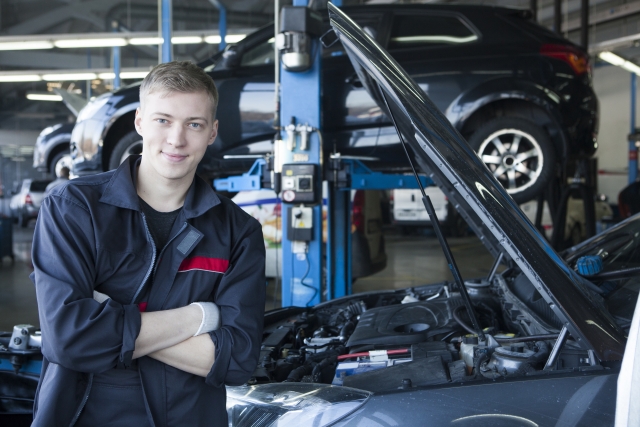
<point x="519" y="93"/>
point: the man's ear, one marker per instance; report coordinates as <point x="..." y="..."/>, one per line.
<point x="214" y="132"/>
<point x="138" y="121"/>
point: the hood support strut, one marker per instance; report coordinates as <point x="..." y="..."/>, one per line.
<point x="436" y="226"/>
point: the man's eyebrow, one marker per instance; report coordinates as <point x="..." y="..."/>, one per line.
<point x="159" y="113"/>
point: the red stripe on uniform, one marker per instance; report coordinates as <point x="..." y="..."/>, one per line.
<point x="215" y="265"/>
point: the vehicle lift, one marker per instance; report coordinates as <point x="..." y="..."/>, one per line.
<point x="296" y="171"/>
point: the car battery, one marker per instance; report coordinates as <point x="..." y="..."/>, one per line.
<point x="346" y="369"/>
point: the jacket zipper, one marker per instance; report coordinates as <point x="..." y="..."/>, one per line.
<point x="84" y="401"/>
<point x="153" y="259"/>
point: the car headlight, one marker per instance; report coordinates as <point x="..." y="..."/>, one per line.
<point x="93" y="106"/>
<point x="291" y="404"/>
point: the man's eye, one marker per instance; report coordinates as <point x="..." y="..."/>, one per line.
<point x="195" y="125"/>
<point x="162" y="121"/>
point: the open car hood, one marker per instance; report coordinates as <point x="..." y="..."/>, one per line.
<point x="444" y="154"/>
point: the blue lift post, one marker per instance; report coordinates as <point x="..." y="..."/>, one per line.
<point x="300" y="95"/>
<point x="222" y="26"/>
<point x="166" y="49"/>
<point x="116" y="58"/>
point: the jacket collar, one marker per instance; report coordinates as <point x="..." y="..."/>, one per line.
<point x="121" y="191"/>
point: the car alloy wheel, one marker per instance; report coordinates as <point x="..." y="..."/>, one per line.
<point x="518" y="153"/>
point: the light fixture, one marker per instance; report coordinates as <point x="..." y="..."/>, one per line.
<point x="231" y="38"/>
<point x="616" y="60"/>
<point x="186" y="40"/>
<point x="20" y="78"/>
<point x="40" y="96"/>
<point x="26" y="45"/>
<point x="69" y="77"/>
<point x="611" y="58"/>
<point x="133" y="74"/>
<point x="76" y="43"/>
<point x="136" y="41"/>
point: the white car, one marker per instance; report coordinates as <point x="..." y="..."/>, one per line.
<point x="409" y="211"/>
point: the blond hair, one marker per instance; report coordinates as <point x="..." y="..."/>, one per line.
<point x="179" y="76"/>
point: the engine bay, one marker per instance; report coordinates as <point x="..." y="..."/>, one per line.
<point x="419" y="336"/>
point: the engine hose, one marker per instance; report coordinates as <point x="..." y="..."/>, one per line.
<point x="548" y="337"/>
<point x="296" y="375"/>
<point x="461" y="322"/>
<point x="347" y="329"/>
<point x="478" y="362"/>
<point x="316" y="374"/>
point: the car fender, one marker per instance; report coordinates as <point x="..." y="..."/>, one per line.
<point x="507" y="88"/>
<point x="121" y="111"/>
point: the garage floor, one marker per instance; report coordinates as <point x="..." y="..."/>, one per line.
<point x="412" y="260"/>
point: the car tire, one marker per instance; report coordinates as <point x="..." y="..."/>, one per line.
<point x="524" y="169"/>
<point x="130" y="144"/>
<point x="59" y="161"/>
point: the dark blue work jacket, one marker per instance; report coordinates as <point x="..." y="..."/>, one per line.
<point x="91" y="235"/>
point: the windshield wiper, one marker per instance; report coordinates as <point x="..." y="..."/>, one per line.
<point x="426" y="200"/>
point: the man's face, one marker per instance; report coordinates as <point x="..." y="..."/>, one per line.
<point x="176" y="129"/>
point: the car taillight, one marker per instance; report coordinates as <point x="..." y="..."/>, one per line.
<point x="27" y="200"/>
<point x="357" y="213"/>
<point x="578" y="60"/>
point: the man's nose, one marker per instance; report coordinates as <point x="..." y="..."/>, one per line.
<point x="177" y="135"/>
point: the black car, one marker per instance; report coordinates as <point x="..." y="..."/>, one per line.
<point x="520" y="94"/>
<point x="51" y="151"/>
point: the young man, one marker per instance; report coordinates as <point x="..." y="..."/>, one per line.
<point x="150" y="238"/>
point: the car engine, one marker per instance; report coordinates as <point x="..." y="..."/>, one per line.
<point x="416" y="337"/>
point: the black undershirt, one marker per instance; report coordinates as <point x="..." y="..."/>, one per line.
<point x="159" y="223"/>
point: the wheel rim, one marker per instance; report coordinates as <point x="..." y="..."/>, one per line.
<point x="514" y="157"/>
<point x="64" y="161"/>
<point x="135" y="148"/>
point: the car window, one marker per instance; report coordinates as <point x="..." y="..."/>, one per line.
<point x="427" y="29"/>
<point x="39" y="186"/>
<point x="260" y="54"/>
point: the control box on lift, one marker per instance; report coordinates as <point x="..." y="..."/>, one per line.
<point x="300" y="183"/>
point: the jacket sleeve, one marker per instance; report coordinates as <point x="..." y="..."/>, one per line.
<point x="77" y="332"/>
<point x="241" y="298"/>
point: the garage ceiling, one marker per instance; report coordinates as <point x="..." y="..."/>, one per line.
<point x="612" y="21"/>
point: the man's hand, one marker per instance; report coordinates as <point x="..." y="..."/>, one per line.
<point x="195" y="355"/>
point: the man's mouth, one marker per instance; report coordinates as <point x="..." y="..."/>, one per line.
<point x="173" y="157"/>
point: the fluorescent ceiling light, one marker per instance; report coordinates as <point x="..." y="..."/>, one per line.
<point x="71" y="43"/>
<point x="133" y="74"/>
<point x="611" y="58"/>
<point x="614" y="59"/>
<point x="20" y="78"/>
<point x="230" y="38"/>
<point x="186" y="40"/>
<point x="146" y="40"/>
<point x="44" y="97"/>
<point x="69" y="77"/>
<point x="124" y="75"/>
<point x="26" y="45"/>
